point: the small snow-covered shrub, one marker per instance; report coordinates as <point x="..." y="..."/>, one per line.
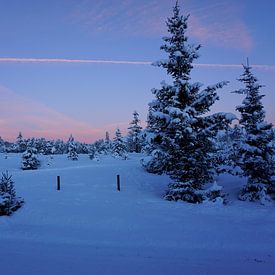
<point x="214" y="194"/>
<point x="30" y="160"/>
<point x="186" y="192"/>
<point x="94" y="155"/>
<point x="119" y="148"/>
<point x="255" y="192"/>
<point x="183" y="191"/>
<point x="8" y="200"/>
<point x="72" y="152"/>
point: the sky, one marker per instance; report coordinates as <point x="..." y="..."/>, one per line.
<point x="82" y="67"/>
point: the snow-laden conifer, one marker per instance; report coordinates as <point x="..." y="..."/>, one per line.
<point x="72" y="149"/>
<point x="182" y="131"/>
<point x="20" y="144"/>
<point x="256" y="149"/>
<point x="8" y="200"/>
<point x="2" y="145"/>
<point x="134" y="138"/>
<point x="119" y="148"/>
<point x="30" y="160"/>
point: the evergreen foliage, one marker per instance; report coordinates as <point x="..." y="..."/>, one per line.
<point x="30" y="160"/>
<point x="256" y="149"/>
<point x="134" y="135"/>
<point x="119" y="148"/>
<point x="20" y="145"/>
<point x="182" y="132"/>
<point x="72" y="149"/>
<point x="8" y="200"/>
<point x="2" y="145"/>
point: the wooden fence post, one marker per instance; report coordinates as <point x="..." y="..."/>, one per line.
<point x="118" y="182"/>
<point x="58" y="183"/>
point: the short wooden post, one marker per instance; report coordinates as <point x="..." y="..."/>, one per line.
<point x="118" y="182"/>
<point x="58" y="183"/>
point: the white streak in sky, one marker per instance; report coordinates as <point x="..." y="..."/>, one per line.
<point x="124" y="62"/>
<point x="61" y="60"/>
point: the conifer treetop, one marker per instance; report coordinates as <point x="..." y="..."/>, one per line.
<point x="252" y="109"/>
<point x="181" y="53"/>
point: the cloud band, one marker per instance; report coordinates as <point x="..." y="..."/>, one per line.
<point x="124" y="62"/>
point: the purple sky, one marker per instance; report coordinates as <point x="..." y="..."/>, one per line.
<point x="54" y="98"/>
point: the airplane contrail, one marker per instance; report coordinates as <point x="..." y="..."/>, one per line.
<point x="62" y="60"/>
<point x="125" y="62"/>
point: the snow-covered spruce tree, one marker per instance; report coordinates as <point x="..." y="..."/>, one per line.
<point x="119" y="148"/>
<point x="20" y="144"/>
<point x="107" y="143"/>
<point x="2" y="145"/>
<point x="72" y="149"/>
<point x="183" y="133"/>
<point x="256" y="149"/>
<point x="134" y="138"/>
<point x="226" y="147"/>
<point x="30" y="160"/>
<point x="8" y="200"/>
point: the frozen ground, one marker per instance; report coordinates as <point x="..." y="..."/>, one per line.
<point x="90" y="228"/>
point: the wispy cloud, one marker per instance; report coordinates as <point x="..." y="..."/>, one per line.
<point x="220" y="23"/>
<point x="212" y="22"/>
<point x="129" y="17"/>
<point x="235" y="66"/>
<point x="62" y="60"/>
<point x="126" y="62"/>
<point x="37" y="120"/>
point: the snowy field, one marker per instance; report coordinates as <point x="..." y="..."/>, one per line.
<point x="90" y="228"/>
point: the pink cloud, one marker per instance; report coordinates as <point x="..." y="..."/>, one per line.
<point x="34" y="119"/>
<point x="235" y="35"/>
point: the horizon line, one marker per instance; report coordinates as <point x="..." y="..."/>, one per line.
<point x="125" y="62"/>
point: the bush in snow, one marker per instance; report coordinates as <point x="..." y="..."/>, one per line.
<point x="183" y="134"/>
<point x="103" y="147"/>
<point x="119" y="148"/>
<point x="186" y="192"/>
<point x="93" y="155"/>
<point x="256" y="149"/>
<point x="8" y="200"/>
<point x="30" y="160"/>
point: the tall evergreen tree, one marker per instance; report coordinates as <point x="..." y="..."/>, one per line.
<point x="182" y="132"/>
<point x="134" y="135"/>
<point x="256" y="151"/>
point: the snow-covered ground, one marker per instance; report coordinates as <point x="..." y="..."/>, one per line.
<point x="90" y="228"/>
